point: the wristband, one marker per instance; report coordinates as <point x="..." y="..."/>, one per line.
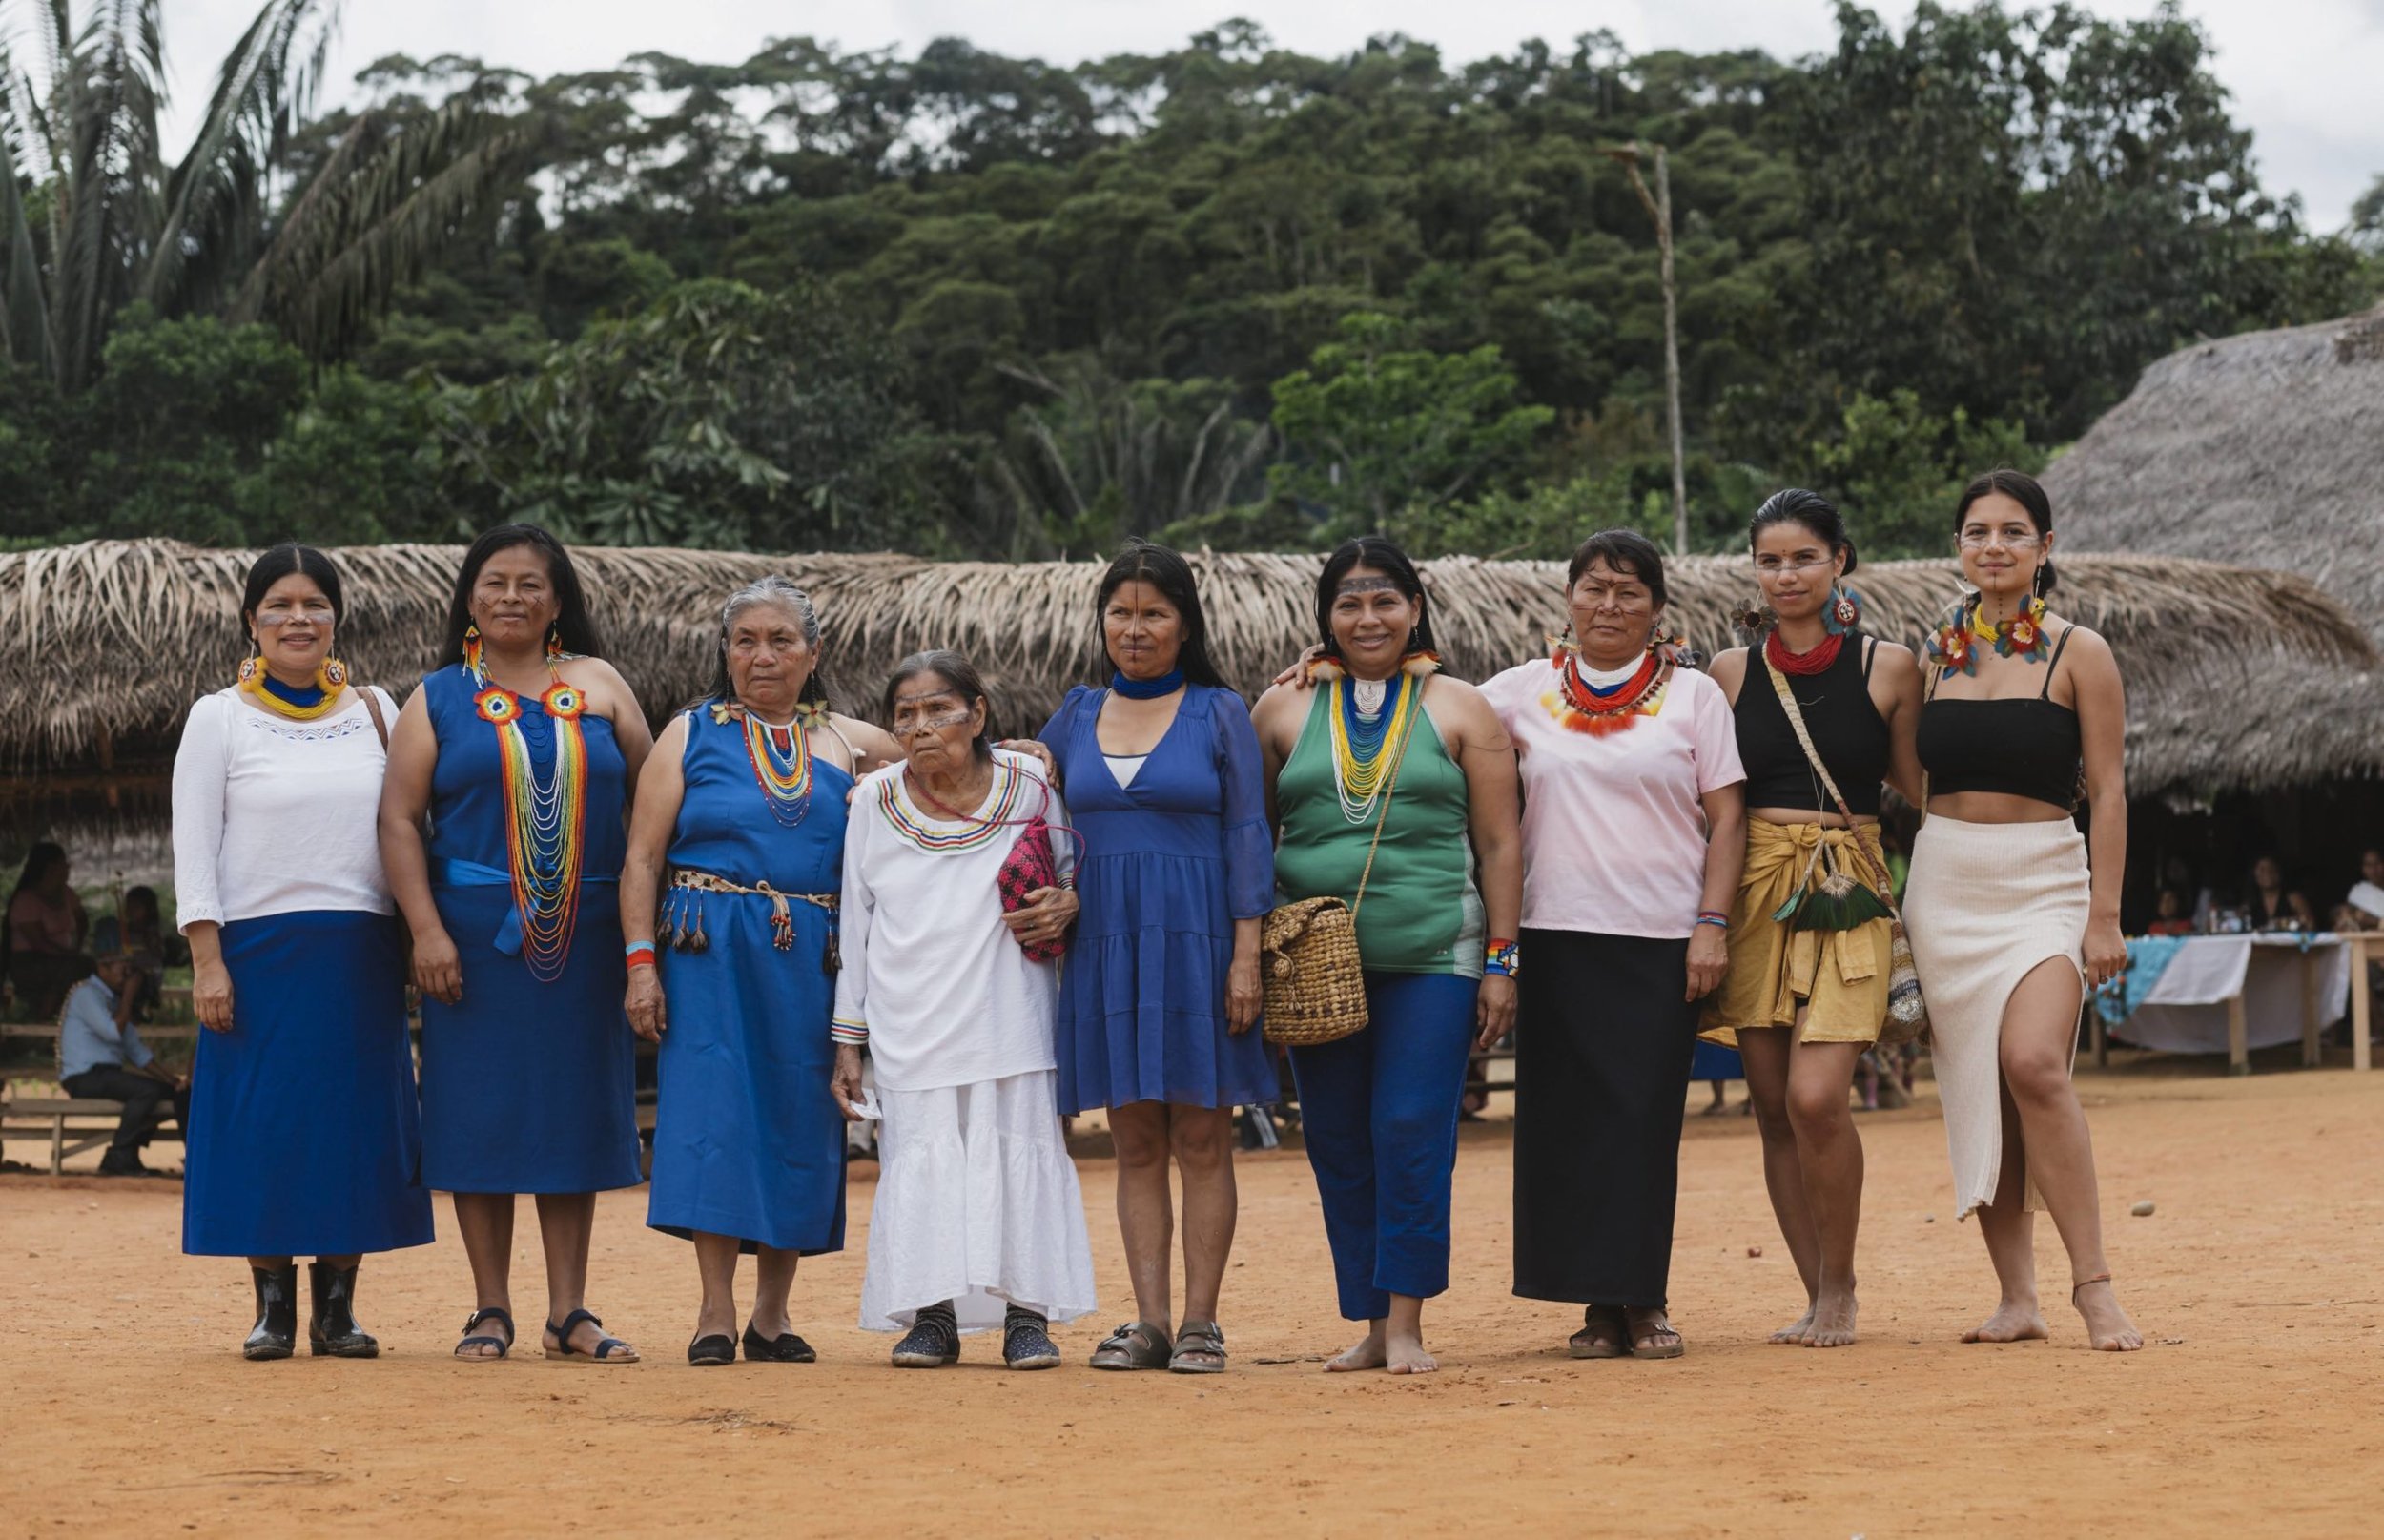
<point x="1501" y="957"/>
<point x="1709" y="917"/>
<point x="640" y="953"/>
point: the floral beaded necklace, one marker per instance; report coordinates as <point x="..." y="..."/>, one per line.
<point x="546" y="817"/>
<point x="1955" y="648"/>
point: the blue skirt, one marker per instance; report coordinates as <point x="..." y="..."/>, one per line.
<point x="1143" y="992"/>
<point x="530" y="1087"/>
<point x="305" y="1132"/>
<point x="1714" y="1062"/>
<point x="747" y="1138"/>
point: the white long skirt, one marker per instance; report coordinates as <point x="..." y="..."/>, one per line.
<point x="978" y="1203"/>
<point x="1985" y="905"/>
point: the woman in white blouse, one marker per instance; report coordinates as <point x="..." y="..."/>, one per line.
<point x="977" y="1221"/>
<point x="305" y="1130"/>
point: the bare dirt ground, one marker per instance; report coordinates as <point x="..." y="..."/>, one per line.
<point x="2258" y="1408"/>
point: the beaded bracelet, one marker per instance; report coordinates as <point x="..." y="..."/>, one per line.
<point x="1500" y="956"/>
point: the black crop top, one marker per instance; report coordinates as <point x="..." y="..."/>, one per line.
<point x="1838" y="711"/>
<point x="2018" y="747"/>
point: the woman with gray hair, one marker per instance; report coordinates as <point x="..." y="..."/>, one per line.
<point x="728" y="900"/>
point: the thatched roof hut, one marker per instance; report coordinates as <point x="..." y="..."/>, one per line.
<point x="2260" y="450"/>
<point x="103" y="646"/>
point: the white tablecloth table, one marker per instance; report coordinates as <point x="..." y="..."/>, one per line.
<point x="2233" y="994"/>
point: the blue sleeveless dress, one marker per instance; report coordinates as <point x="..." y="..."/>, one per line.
<point x="748" y="1140"/>
<point x="1168" y="864"/>
<point x="527" y="1087"/>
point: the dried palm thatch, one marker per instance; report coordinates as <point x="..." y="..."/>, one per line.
<point x="103" y="646"/>
<point x="2261" y="450"/>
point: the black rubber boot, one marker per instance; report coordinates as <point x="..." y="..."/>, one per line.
<point x="276" y="1332"/>
<point x="332" y="1328"/>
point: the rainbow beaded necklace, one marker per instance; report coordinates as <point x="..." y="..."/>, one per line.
<point x="547" y="818"/>
<point x="784" y="777"/>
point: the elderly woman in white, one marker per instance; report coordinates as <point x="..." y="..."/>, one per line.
<point x="979" y="1222"/>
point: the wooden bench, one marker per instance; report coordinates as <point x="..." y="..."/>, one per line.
<point x="39" y="1117"/>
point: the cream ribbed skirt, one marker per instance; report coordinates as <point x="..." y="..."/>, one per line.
<point x="1985" y="905"/>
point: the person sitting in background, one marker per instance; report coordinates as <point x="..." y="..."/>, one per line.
<point x="2173" y="916"/>
<point x="2273" y="905"/>
<point x="2362" y="909"/>
<point x="43" y="932"/>
<point x="101" y="1056"/>
<point x="137" y="931"/>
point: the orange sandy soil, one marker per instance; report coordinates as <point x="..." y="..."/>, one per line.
<point x="2258" y="1408"/>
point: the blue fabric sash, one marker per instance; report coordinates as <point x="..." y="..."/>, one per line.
<point x="457" y="873"/>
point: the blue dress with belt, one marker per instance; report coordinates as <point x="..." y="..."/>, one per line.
<point x="528" y="1086"/>
<point x="747" y="1138"/>
<point x="1168" y="864"/>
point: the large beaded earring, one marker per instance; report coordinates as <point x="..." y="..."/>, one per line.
<point x="1845" y="612"/>
<point x="254" y="664"/>
<point x="554" y="644"/>
<point x="472" y="655"/>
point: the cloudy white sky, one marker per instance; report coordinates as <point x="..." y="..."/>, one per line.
<point x="2305" y="74"/>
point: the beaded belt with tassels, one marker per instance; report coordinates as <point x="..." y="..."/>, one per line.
<point x="682" y="914"/>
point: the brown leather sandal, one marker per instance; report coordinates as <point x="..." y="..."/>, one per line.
<point x="1199" y="1348"/>
<point x="1138" y="1345"/>
<point x="1601" y="1334"/>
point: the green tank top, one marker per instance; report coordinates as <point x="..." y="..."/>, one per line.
<point x="1422" y="912"/>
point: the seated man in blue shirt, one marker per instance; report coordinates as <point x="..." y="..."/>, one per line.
<point x="101" y="1060"/>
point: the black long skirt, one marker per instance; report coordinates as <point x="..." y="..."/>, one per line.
<point x="1602" y="1046"/>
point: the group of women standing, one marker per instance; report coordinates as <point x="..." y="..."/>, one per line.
<point x="787" y="888"/>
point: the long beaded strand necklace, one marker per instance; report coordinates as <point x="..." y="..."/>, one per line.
<point x="784" y="777"/>
<point x="1365" y="734"/>
<point x="547" y="820"/>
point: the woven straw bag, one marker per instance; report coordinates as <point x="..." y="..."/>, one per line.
<point x="1309" y="960"/>
<point x="1908" y="1012"/>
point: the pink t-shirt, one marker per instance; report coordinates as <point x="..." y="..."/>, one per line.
<point x="1614" y="832"/>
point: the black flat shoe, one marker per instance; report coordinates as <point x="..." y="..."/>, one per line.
<point x="331" y="1331"/>
<point x="712" y="1351"/>
<point x="276" y="1332"/>
<point x="932" y="1342"/>
<point x="786" y="1348"/>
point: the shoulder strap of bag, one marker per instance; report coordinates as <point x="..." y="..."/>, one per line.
<point x="381" y="723"/>
<point x="1796" y="720"/>
<point x="1389" y="787"/>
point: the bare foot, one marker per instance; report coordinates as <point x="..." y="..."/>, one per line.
<point x="1833" y="1320"/>
<point x="1368" y="1354"/>
<point x="1406" y="1355"/>
<point x="2014" y="1320"/>
<point x="1793" y="1333"/>
<point x="2107" y="1327"/>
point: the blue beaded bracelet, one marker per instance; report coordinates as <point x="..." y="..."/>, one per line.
<point x="1712" y="919"/>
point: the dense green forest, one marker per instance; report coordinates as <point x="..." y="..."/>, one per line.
<point x="968" y="304"/>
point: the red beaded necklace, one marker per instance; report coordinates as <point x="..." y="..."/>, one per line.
<point x="1585" y="711"/>
<point x="1802" y="665"/>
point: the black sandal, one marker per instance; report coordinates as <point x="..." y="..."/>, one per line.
<point x="707" y="1352"/>
<point x="786" y="1348"/>
<point x="1602" y="1334"/>
<point x="608" y="1350"/>
<point x="503" y="1344"/>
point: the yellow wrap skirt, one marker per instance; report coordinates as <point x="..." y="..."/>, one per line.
<point x="1837" y="978"/>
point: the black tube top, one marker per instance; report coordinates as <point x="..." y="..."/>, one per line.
<point x="2020" y="747"/>
<point x="1846" y="727"/>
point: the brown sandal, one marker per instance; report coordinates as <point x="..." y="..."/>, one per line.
<point x="1645" y="1333"/>
<point x="1199" y="1348"/>
<point x="1138" y="1345"/>
<point x="1600" y="1335"/>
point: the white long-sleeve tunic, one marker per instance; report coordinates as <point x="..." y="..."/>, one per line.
<point x="273" y="816"/>
<point x="933" y="980"/>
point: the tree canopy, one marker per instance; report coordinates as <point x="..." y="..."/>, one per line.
<point x="971" y="305"/>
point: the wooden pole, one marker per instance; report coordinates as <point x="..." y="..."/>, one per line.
<point x="1658" y="206"/>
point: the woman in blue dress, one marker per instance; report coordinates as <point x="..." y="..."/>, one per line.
<point x="1159" y="998"/>
<point x="522" y="753"/>
<point x="728" y="900"/>
<point x="304" y="1125"/>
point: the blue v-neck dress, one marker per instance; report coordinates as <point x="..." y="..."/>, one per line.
<point x="1169" y="862"/>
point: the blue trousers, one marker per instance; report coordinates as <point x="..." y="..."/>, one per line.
<point x="1379" y="1110"/>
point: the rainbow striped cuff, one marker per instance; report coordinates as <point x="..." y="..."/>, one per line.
<point x="844" y="1031"/>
